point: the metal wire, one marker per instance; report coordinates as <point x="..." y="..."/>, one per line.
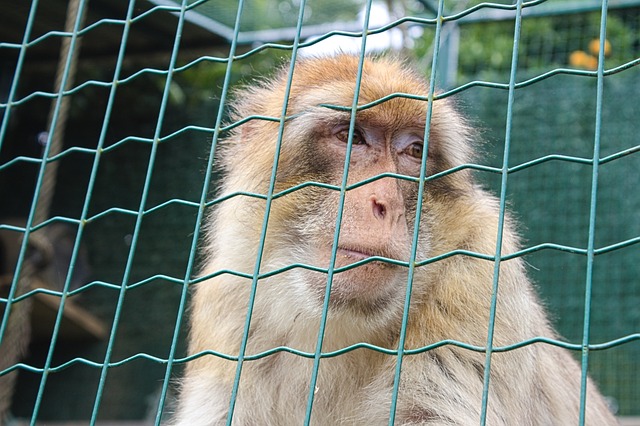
<point x="592" y="219"/>
<point x="501" y="217"/>
<point x="217" y="131"/>
<point x="334" y="250"/>
<point x="416" y="229"/>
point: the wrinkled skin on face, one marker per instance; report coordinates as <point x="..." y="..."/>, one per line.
<point x="377" y="211"/>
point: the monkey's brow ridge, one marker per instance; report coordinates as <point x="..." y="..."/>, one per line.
<point x="378" y="101"/>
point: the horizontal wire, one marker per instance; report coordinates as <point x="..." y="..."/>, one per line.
<point x="632" y="337"/>
<point x="180" y="281"/>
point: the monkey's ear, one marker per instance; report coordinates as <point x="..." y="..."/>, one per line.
<point x="238" y="113"/>
<point x="255" y="130"/>
<point x="246" y="131"/>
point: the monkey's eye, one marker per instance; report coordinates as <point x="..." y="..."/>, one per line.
<point x="358" y="139"/>
<point x="415" y="150"/>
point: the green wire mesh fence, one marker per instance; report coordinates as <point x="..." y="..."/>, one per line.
<point x="111" y="116"/>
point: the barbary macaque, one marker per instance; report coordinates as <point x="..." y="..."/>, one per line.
<point x="533" y="384"/>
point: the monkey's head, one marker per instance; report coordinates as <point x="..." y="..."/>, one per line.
<point x="377" y="218"/>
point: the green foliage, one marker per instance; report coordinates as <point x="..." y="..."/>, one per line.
<point x="546" y="42"/>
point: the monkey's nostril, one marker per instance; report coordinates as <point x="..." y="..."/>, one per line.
<point x="379" y="210"/>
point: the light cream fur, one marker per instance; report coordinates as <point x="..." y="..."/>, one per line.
<point x="537" y="384"/>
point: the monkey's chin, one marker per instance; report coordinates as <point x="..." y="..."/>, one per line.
<point x="368" y="288"/>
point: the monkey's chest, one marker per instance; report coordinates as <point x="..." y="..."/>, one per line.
<point x="282" y="389"/>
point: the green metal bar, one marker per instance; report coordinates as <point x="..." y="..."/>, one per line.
<point x="265" y="221"/>
<point x="418" y="217"/>
<point x="39" y="183"/>
<point x="519" y="253"/>
<point x="14" y="83"/>
<point x="143" y="356"/>
<point x="180" y="281"/>
<point x="501" y="218"/>
<point x="451" y="92"/>
<point x="617" y="246"/>
<point x="619" y="154"/>
<point x="592" y="218"/>
<point x="143" y="201"/>
<point x="494" y="6"/>
<point x="555" y="9"/>
<point x="554" y="342"/>
<point x="336" y="235"/>
<point x="200" y="216"/>
<point x="3" y="129"/>
<point x="548" y="74"/>
<point x="300" y="186"/>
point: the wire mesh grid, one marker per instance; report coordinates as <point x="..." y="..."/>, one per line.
<point x="141" y="209"/>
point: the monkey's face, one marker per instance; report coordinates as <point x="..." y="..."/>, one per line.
<point x="362" y="235"/>
<point x="375" y="214"/>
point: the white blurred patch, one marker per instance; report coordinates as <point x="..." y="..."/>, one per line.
<point x="392" y="39"/>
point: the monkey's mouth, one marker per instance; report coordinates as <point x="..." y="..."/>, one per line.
<point x="358" y="254"/>
<point x="347" y="255"/>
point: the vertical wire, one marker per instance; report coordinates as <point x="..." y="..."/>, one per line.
<point x="92" y="179"/>
<point x="200" y="215"/>
<point x="501" y="216"/>
<point x="416" y="227"/>
<point x="19" y="64"/>
<point x="35" y="209"/>
<point x="265" y="220"/>
<point x="592" y="216"/>
<point x="15" y="327"/>
<point x="140" y="215"/>
<point x="336" y="236"/>
<point x="96" y="161"/>
<point x="3" y="129"/>
<point x="68" y="63"/>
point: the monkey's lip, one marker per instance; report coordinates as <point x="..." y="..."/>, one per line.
<point x="356" y="254"/>
<point x="359" y="253"/>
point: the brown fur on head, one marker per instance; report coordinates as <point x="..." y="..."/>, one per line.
<point x="318" y="83"/>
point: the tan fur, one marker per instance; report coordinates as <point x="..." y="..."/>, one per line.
<point x="537" y="384"/>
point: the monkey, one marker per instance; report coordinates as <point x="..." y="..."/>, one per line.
<point x="362" y="174"/>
